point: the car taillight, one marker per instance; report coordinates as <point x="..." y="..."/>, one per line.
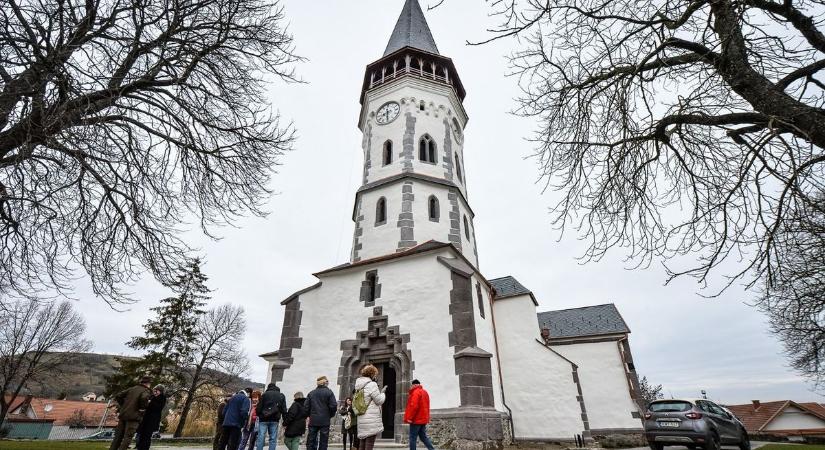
<point x="648" y="416"/>
<point x="693" y="415"/>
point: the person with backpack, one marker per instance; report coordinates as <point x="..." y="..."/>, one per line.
<point x="367" y="404"/>
<point x="417" y="415"/>
<point x="236" y="413"/>
<point x="271" y="406"/>
<point x="349" y="424"/>
<point x="320" y="407"/>
<point x="295" y="424"/>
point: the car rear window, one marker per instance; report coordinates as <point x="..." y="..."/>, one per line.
<point x="675" y="406"/>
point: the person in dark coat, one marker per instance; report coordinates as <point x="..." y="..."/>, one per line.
<point x="271" y="407"/>
<point x="219" y="421"/>
<point x="151" y="418"/>
<point x="236" y="413"/>
<point x="345" y="411"/>
<point x="131" y="404"/>
<point x="295" y="424"/>
<point x="320" y="407"/>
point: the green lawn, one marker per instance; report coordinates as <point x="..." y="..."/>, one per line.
<point x="791" y="447"/>
<point x="52" y="445"/>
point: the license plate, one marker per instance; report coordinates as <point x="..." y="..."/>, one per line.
<point x="669" y="424"/>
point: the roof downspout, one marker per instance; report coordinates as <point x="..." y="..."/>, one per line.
<point x="498" y="366"/>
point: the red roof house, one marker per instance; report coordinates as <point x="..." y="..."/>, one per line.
<point x="783" y="418"/>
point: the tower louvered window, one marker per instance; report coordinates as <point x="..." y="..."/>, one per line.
<point x="434" y="209"/>
<point x="381" y="211"/>
<point x="426" y="149"/>
<point x="387" y="153"/>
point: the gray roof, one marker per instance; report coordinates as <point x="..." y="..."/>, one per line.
<point x="508" y="287"/>
<point x="411" y="30"/>
<point x="586" y="321"/>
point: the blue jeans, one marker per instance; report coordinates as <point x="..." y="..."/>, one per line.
<point x="265" y="428"/>
<point x="419" y="432"/>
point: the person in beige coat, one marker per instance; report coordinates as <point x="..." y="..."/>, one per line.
<point x="370" y="424"/>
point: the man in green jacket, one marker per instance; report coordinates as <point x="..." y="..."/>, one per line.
<point x="131" y="404"/>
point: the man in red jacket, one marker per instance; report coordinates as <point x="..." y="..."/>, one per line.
<point x="418" y="415"/>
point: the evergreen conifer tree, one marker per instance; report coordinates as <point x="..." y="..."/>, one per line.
<point x="169" y="336"/>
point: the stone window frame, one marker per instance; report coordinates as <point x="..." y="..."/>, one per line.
<point x="480" y="300"/>
<point x="433" y="209"/>
<point x="386" y="157"/>
<point x="466" y="228"/>
<point x="381" y="211"/>
<point x="458" y="168"/>
<point x="428" y="154"/>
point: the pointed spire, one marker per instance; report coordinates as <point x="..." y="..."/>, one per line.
<point x="411" y="30"/>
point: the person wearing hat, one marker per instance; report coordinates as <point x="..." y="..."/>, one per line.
<point x="295" y="424"/>
<point x="417" y="415"/>
<point x="131" y="404"/>
<point x="151" y="418"/>
<point x="219" y="421"/>
<point x="320" y="406"/>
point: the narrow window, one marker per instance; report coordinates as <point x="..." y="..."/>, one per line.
<point x="458" y="169"/>
<point x="426" y="149"/>
<point x="480" y="300"/>
<point x="421" y="106"/>
<point x="372" y="281"/>
<point x="466" y="228"/>
<point x="435" y="211"/>
<point x="381" y="212"/>
<point x="387" y="153"/>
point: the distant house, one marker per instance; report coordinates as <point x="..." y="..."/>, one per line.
<point x="782" y="418"/>
<point x="45" y="418"/>
<point x="89" y="397"/>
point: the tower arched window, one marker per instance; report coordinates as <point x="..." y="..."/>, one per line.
<point x="466" y="228"/>
<point x="387" y="153"/>
<point x="426" y="149"/>
<point x="381" y="212"/>
<point x="434" y="209"/>
<point x="458" y="169"/>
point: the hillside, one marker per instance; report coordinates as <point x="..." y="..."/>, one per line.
<point x="89" y="375"/>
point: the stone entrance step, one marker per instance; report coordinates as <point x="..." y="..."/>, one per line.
<point x="388" y="444"/>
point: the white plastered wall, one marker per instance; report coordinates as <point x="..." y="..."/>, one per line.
<point x="793" y="418"/>
<point x="538" y="384"/>
<point x="414" y="295"/>
<point x="485" y="337"/>
<point x="604" y="384"/>
<point x="440" y="104"/>
<point x="383" y="239"/>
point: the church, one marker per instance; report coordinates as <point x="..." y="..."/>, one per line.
<point x="412" y="300"/>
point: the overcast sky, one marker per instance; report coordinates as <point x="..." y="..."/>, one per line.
<point x="679" y="339"/>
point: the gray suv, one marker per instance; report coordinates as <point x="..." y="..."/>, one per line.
<point x="695" y="423"/>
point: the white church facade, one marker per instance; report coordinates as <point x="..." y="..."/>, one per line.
<point x="412" y="300"/>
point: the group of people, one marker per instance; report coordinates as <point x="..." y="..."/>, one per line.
<point x="247" y="419"/>
<point x="140" y="410"/>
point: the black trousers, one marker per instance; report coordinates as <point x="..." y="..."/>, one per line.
<point x="318" y="438"/>
<point x="230" y="438"/>
<point x="353" y="439"/>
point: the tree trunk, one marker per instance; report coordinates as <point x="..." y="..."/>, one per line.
<point x="190" y="398"/>
<point x="4" y="409"/>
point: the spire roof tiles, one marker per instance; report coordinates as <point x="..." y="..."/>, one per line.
<point x="411" y="30"/>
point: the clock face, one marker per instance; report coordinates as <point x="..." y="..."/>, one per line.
<point x="387" y="113"/>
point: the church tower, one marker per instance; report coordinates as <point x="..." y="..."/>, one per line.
<point x="412" y="118"/>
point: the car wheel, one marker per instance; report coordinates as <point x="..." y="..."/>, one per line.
<point x="744" y="441"/>
<point x="656" y="446"/>
<point x="713" y="443"/>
